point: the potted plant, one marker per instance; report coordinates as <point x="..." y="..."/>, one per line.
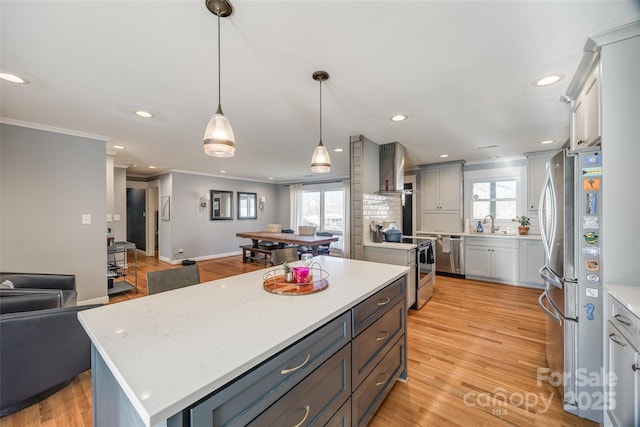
<point x="524" y="222"/>
<point x="288" y="273"/>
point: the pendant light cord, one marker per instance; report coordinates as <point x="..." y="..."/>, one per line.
<point x="219" y="96"/>
<point x="320" y="111"/>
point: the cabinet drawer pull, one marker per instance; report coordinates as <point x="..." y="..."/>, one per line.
<point x="616" y="340"/>
<point x="386" y="377"/>
<point x="384" y="336"/>
<point x="306" y="414"/>
<point x="620" y="318"/>
<point x="384" y="301"/>
<point x="635" y="367"/>
<point x="295" y="368"/>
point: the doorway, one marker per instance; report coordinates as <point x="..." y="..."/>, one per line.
<point x="136" y="217"/>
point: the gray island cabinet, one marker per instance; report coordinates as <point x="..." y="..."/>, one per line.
<point x="229" y="353"/>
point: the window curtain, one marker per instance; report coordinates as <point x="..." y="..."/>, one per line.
<point x="295" y="194"/>
<point x="346" y="244"/>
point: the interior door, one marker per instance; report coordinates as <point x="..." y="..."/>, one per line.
<point x="136" y="217"/>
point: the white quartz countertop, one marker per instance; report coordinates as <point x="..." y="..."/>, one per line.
<point x="497" y="234"/>
<point x="628" y="295"/>
<point x="391" y="245"/>
<point x="171" y="349"/>
<point x="397" y="245"/>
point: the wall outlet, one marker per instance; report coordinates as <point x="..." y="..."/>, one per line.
<point x="180" y="251"/>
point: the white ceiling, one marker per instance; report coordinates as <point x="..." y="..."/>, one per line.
<point x="461" y="70"/>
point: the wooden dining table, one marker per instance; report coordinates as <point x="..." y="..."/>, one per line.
<point x="287" y="238"/>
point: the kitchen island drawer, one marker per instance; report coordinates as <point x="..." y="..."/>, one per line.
<point x="241" y="401"/>
<point x="372" y="344"/>
<point x="368" y="311"/>
<point x="316" y="399"/>
<point x="366" y="400"/>
<point x="342" y="418"/>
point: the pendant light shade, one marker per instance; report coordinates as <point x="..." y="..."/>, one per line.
<point x="320" y="161"/>
<point x="219" y="140"/>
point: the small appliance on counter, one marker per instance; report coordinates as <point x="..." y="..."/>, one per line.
<point x="391" y="232"/>
<point x="393" y="235"/>
<point x="375" y="231"/>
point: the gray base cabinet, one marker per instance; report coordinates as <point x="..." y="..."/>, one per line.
<point x="623" y="393"/>
<point x="492" y="258"/>
<point x="338" y="375"/>
<point x="531" y="260"/>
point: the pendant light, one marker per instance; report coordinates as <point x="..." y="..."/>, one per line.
<point x="320" y="162"/>
<point x="219" y="140"/>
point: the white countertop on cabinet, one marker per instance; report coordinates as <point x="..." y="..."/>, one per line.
<point x="391" y="245"/>
<point x="628" y="295"/>
<point x="171" y="349"/>
<point x="498" y="234"/>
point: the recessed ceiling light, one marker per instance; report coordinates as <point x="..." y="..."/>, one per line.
<point x="119" y="147"/>
<point x="548" y="141"/>
<point x="399" y="118"/>
<point x="151" y="167"/>
<point x="13" y="78"/>
<point x="144" y="114"/>
<point x="271" y="177"/>
<point x="443" y="156"/>
<point x="548" y="80"/>
<point x="223" y="171"/>
<point x="338" y="150"/>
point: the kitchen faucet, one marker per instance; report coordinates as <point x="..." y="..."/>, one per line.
<point x="493" y="228"/>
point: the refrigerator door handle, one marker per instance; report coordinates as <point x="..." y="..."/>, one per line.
<point x="547" y="188"/>
<point x="550" y="277"/>
<point x="553" y="314"/>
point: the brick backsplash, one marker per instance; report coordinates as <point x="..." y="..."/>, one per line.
<point x="379" y="208"/>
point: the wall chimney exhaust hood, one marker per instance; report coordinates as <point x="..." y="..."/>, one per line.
<point x="391" y="168"/>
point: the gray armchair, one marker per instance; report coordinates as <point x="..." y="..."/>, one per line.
<point x="43" y="347"/>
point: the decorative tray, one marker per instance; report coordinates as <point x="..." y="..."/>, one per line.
<point x="275" y="282"/>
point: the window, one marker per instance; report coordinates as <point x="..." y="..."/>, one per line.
<point x="496" y="198"/>
<point x="323" y="209"/>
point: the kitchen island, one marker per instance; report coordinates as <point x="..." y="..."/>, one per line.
<point x="157" y="360"/>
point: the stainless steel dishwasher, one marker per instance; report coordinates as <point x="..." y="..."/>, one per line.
<point x="449" y="254"/>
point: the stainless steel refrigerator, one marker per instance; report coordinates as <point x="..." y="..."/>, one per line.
<point x="570" y="216"/>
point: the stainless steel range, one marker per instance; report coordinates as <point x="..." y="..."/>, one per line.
<point x="425" y="260"/>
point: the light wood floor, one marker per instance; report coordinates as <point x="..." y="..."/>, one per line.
<point x="473" y="352"/>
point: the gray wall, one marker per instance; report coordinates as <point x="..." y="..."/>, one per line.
<point x="190" y="227"/>
<point x="119" y="227"/>
<point x="47" y="182"/>
<point x="620" y="156"/>
<point x="283" y="207"/>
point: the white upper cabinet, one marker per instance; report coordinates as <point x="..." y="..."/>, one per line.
<point x="441" y="188"/>
<point x="585" y="113"/>
<point x="536" y="173"/>
<point x="441" y="198"/>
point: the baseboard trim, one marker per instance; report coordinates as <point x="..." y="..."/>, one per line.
<point x="203" y="258"/>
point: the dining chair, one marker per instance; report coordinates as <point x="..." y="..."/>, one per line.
<point x="324" y="249"/>
<point x="173" y="278"/>
<point x="274" y="228"/>
<point x="306" y="230"/>
<point x="278" y="256"/>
